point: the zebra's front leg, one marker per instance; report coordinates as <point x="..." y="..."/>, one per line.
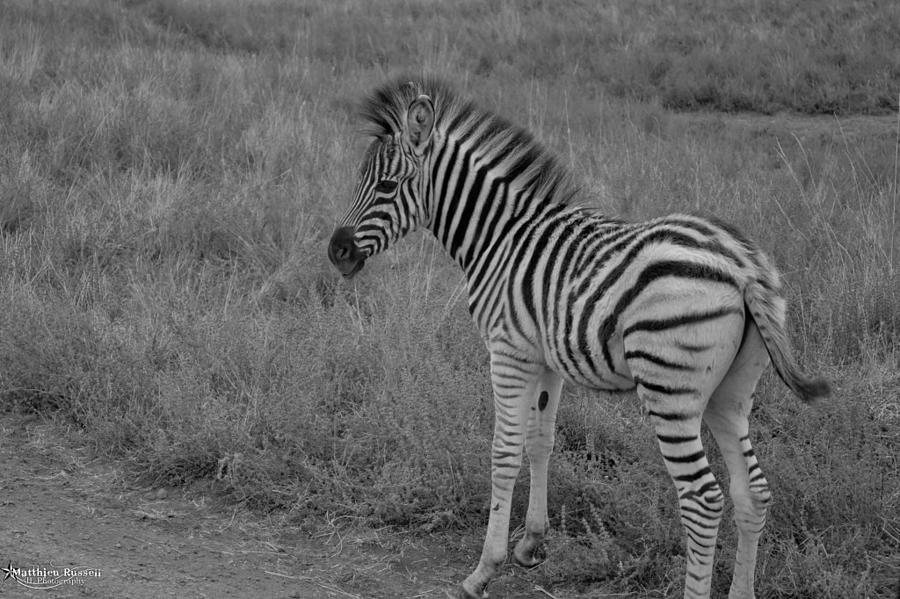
<point x="515" y="384"/>
<point x="539" y="439"/>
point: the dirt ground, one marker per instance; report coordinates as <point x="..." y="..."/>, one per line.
<point x="62" y="509"/>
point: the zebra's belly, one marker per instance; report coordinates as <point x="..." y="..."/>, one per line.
<point x="587" y="364"/>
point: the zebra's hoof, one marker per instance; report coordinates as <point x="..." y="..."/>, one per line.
<point x="459" y="592"/>
<point x="529" y="558"/>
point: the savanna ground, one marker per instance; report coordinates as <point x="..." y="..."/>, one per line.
<point x="170" y="171"/>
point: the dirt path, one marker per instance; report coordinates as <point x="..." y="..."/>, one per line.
<point x="61" y="510"/>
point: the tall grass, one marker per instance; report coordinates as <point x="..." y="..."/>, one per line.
<point x="170" y="172"/>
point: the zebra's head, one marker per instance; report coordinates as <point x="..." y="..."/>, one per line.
<point x="388" y="202"/>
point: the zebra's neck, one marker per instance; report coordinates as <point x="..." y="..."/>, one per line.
<point x="478" y="195"/>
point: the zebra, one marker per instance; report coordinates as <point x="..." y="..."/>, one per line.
<point x="685" y="310"/>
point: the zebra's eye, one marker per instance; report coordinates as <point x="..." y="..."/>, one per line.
<point x="386" y="186"/>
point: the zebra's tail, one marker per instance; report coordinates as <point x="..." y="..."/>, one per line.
<point x="767" y="308"/>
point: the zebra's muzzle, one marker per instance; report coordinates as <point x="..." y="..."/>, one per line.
<point x="344" y="254"/>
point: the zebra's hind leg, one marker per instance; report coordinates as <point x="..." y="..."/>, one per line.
<point x="700" y="499"/>
<point x="727" y="418"/>
<point x="539" y="439"/>
<point x="676" y="370"/>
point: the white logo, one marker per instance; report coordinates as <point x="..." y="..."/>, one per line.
<point x="48" y="577"/>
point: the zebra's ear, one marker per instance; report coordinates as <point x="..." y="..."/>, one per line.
<point x="419" y="121"/>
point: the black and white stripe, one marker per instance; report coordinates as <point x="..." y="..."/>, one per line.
<point x="683" y="309"/>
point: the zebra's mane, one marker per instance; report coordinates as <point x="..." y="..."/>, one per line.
<point x="384" y="112"/>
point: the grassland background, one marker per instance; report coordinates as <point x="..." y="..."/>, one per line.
<point x="170" y="171"/>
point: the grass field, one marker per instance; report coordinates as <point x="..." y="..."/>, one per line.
<point x="170" y="171"/>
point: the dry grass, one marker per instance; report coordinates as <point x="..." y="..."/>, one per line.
<point x="170" y="171"/>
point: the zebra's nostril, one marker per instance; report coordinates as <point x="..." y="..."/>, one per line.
<point x="341" y="248"/>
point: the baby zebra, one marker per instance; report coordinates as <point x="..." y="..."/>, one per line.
<point x="685" y="310"/>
